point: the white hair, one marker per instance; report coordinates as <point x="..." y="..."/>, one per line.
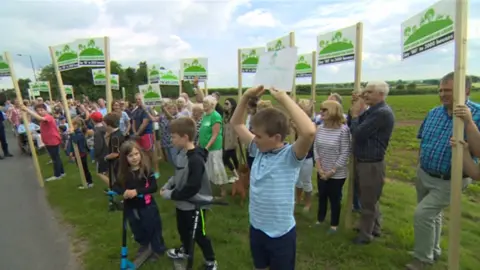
<point x="210" y="100"/>
<point x="379" y="86"/>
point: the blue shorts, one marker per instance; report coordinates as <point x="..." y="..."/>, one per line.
<point x="273" y="253"/>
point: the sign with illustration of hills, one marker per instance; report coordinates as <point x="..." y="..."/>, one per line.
<point x="90" y="52"/>
<point x="151" y="94"/>
<point x="249" y="58"/>
<point x="169" y="77"/>
<point x="429" y="29"/>
<point x="115" y="81"/>
<point x="279" y="44"/>
<point x="33" y="93"/>
<point x="194" y="67"/>
<point x="4" y="68"/>
<point x="99" y="77"/>
<point x="154" y="74"/>
<point x="303" y="68"/>
<point x="40" y="86"/>
<point x="67" y="56"/>
<point x="68" y="89"/>
<point x="337" y="46"/>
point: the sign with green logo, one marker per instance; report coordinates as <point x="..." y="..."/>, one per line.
<point x="4" y="68"/>
<point x="249" y="58"/>
<point x="303" y="68"/>
<point x="194" y="67"/>
<point x="431" y="28"/>
<point x="154" y="74"/>
<point x="40" y="86"/>
<point x="115" y="81"/>
<point x="90" y="52"/>
<point x="151" y="94"/>
<point x="279" y="44"/>
<point x="99" y="77"/>
<point x="169" y="77"/>
<point x="68" y="89"/>
<point x="337" y="46"/>
<point x="67" y="56"/>
<point x="33" y="93"/>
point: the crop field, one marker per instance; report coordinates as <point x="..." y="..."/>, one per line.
<point x="97" y="232"/>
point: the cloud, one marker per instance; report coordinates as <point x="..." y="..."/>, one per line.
<point x="258" y="18"/>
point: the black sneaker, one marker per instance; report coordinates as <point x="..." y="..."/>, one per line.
<point x="177" y="253"/>
<point x="8" y="155"/>
<point x="211" y="265"/>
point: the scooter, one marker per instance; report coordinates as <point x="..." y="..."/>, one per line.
<point x="179" y="264"/>
<point x="112" y="204"/>
<point x="125" y="263"/>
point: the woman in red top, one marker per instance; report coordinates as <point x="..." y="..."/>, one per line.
<point x="50" y="137"/>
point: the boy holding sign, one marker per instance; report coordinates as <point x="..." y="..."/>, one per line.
<point x="273" y="176"/>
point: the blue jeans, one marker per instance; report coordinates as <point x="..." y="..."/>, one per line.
<point x="92" y="154"/>
<point x="54" y="153"/>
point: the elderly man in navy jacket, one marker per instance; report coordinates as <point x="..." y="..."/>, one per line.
<point x="3" y="138"/>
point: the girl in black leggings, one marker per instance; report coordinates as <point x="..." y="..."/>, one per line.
<point x="230" y="139"/>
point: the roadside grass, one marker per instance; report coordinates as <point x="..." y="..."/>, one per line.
<point x="97" y="232"/>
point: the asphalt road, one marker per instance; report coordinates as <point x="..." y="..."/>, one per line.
<point x="30" y="236"/>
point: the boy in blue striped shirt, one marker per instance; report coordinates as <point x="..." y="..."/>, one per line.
<point x="273" y="176"/>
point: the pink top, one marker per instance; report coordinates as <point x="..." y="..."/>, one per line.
<point x="14" y="116"/>
<point x="49" y="131"/>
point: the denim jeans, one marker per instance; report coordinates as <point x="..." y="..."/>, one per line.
<point x="54" y="152"/>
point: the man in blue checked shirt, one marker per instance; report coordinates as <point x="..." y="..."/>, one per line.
<point x="434" y="171"/>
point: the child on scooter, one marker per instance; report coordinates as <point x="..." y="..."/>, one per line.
<point x="135" y="177"/>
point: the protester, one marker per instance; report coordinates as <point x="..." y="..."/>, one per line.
<point x="78" y="138"/>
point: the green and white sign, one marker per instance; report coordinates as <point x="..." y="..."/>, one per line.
<point x="33" y="93"/>
<point x="169" y="77"/>
<point x="154" y="74"/>
<point x="4" y="68"/>
<point x="99" y="77"/>
<point x="115" y="81"/>
<point x="68" y="89"/>
<point x="279" y="43"/>
<point x="151" y="94"/>
<point x="429" y="29"/>
<point x="303" y="68"/>
<point x="40" y="86"/>
<point x="337" y="46"/>
<point x="67" y="56"/>
<point x="90" y="52"/>
<point x="250" y="59"/>
<point x="194" y="67"/>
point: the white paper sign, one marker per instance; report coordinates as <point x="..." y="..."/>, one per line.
<point x="277" y="69"/>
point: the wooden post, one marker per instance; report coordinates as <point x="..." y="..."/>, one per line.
<point x="50" y="92"/>
<point x="36" y="165"/>
<point x="357" y="86"/>
<point x="461" y="25"/>
<point x="206" y="87"/>
<point x="61" y="87"/>
<point x="123" y="93"/>
<point x="108" y="84"/>
<point x="294" y="88"/>
<point x="314" y="81"/>
<point x="239" y="74"/>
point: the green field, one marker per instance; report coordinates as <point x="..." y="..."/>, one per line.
<point x="97" y="239"/>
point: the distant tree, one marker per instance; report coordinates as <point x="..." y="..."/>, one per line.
<point x="412" y="86"/>
<point x="400" y="87"/>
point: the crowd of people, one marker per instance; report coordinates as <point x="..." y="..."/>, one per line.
<point x="200" y="140"/>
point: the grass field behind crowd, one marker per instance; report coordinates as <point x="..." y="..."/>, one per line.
<point x="97" y="233"/>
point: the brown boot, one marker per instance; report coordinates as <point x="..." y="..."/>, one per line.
<point x="417" y="265"/>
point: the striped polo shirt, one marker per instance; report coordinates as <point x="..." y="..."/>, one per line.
<point x="272" y="189"/>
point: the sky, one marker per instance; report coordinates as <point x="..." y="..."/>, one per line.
<point x="164" y="31"/>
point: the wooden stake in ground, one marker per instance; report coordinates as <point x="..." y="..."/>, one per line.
<point x="239" y="73"/>
<point x="314" y="81"/>
<point x="461" y="25"/>
<point x="294" y="88"/>
<point x="108" y="83"/>
<point x="67" y="113"/>
<point x="36" y="165"/>
<point x="357" y="87"/>
<point x="50" y="92"/>
<point x="206" y="87"/>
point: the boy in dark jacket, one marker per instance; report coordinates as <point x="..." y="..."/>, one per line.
<point x="190" y="183"/>
<point x="100" y="148"/>
<point x="78" y="138"/>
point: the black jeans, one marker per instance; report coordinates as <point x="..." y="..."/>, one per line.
<point x="329" y="191"/>
<point x="54" y="153"/>
<point x="185" y="220"/>
<point x="86" y="171"/>
<point x="230" y="159"/>
<point x="3" y="140"/>
<point x="146" y="226"/>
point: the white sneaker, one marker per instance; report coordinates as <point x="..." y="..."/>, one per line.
<point x="63" y="175"/>
<point x="232" y="179"/>
<point x="53" y="178"/>
<point x="87" y="187"/>
<point x="176" y="253"/>
<point x="211" y="265"/>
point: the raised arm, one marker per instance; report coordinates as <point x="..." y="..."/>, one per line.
<point x="238" y="117"/>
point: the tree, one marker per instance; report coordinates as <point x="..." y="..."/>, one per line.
<point x="429" y="15"/>
<point x="400" y="87"/>
<point x="412" y="86"/>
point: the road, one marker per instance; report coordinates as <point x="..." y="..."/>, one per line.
<point x="30" y="236"/>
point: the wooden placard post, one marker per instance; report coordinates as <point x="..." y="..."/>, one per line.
<point x="461" y="26"/>
<point x="50" y="92"/>
<point x="26" y="122"/>
<point x="206" y="87"/>
<point x="357" y="87"/>
<point x="108" y="83"/>
<point x="292" y="45"/>
<point x="123" y="94"/>
<point x="67" y="113"/>
<point x="239" y="73"/>
<point x="314" y="81"/>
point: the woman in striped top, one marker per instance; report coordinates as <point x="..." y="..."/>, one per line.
<point x="331" y="150"/>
